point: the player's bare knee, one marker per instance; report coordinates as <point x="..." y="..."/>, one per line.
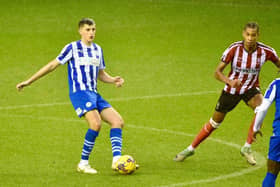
<point x="95" y="125"/>
<point x="255" y="101"/>
<point x="214" y="124"/>
<point x="218" y="117"/>
<point x="118" y="123"/>
<point x="254" y="105"/>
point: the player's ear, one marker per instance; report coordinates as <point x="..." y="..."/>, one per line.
<point x="244" y="33"/>
<point x="80" y="29"/>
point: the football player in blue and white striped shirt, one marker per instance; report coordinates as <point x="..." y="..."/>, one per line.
<point x="273" y="163"/>
<point x="85" y="65"/>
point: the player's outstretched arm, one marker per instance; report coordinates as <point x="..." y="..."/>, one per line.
<point x="260" y="115"/>
<point x="43" y="71"/>
<point x="219" y="75"/>
<point x="105" y="77"/>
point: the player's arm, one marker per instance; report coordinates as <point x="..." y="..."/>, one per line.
<point x="42" y="72"/>
<point x="219" y="75"/>
<point x="261" y="110"/>
<point x="105" y="77"/>
<point x="260" y="115"/>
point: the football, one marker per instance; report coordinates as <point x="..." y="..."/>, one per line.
<point x="126" y="164"/>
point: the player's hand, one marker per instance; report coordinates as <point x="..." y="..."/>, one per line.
<point x="255" y="135"/>
<point x="118" y="81"/>
<point x="21" y="85"/>
<point x="235" y="83"/>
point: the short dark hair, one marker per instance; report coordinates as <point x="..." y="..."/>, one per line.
<point x="87" y="21"/>
<point x="252" y="25"/>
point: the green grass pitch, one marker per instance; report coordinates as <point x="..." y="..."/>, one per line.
<point x="167" y="51"/>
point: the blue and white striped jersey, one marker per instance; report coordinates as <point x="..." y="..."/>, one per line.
<point x="84" y="62"/>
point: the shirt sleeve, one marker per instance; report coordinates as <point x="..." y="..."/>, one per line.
<point x="65" y="55"/>
<point x="272" y="56"/>
<point x="102" y="61"/>
<point x="263" y="108"/>
<point x="228" y="55"/>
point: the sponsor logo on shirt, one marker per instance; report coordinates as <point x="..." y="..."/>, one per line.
<point x="246" y="70"/>
<point x="89" y="61"/>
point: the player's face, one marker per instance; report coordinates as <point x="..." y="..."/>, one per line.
<point x="87" y="33"/>
<point x="250" y="36"/>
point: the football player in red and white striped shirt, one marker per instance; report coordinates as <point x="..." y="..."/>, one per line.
<point x="246" y="59"/>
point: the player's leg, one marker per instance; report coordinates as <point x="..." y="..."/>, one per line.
<point x="205" y="131"/>
<point x="273" y="169"/>
<point x="94" y="122"/>
<point x="273" y="162"/>
<point x="111" y="116"/>
<point x="84" y="103"/>
<point x="208" y="128"/>
<point x="225" y="104"/>
<point x="253" y="98"/>
<point x="255" y="101"/>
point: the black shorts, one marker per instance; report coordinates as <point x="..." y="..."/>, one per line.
<point x="227" y="101"/>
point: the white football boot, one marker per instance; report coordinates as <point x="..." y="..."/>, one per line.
<point x="114" y="162"/>
<point x="180" y="157"/>
<point x="86" y="168"/>
<point x="248" y="154"/>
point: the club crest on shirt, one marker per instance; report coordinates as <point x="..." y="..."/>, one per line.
<point x="239" y="59"/>
<point x="88" y="104"/>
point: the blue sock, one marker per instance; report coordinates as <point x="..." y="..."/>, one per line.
<point x="89" y="143"/>
<point x="116" y="141"/>
<point x="269" y="180"/>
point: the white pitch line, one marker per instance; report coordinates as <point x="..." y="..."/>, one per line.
<point x="163" y="95"/>
<point x="113" y="99"/>
<point x="221" y="177"/>
<point x="261" y="159"/>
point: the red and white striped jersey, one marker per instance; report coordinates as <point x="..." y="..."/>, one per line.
<point x="246" y="66"/>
